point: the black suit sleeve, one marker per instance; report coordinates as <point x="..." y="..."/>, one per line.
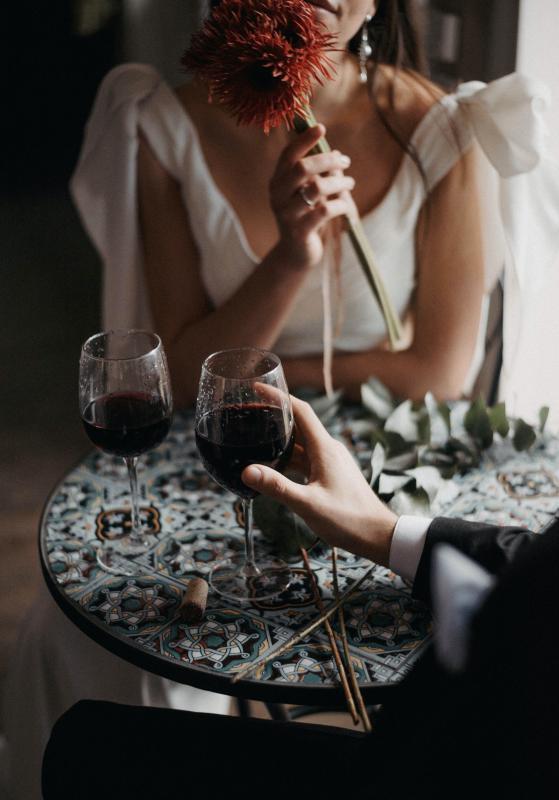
<point x="492" y="546"/>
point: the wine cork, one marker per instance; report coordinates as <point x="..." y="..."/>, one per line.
<point x="193" y="603"/>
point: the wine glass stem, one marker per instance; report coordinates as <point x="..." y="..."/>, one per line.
<point x="250" y="567"/>
<point x="136" y="530"/>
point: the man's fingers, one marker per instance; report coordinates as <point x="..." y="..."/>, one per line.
<point x="310" y="428"/>
<point x="273" y="484"/>
<point x="299" y="461"/>
<point x="273" y="394"/>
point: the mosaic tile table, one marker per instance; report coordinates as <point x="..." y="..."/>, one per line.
<point x="192" y="522"/>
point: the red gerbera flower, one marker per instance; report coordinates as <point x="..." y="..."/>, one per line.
<point x="260" y="58"/>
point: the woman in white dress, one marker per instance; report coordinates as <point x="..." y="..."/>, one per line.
<point x="206" y="237"/>
<point x="231" y="253"/>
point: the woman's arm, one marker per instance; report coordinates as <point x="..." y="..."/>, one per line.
<point x="446" y="306"/>
<point x="190" y="328"/>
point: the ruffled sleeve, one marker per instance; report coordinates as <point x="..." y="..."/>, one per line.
<point x="507" y="119"/>
<point x="518" y="189"/>
<point x="104" y="188"/>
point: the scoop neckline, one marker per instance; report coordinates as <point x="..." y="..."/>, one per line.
<point x="373" y="213"/>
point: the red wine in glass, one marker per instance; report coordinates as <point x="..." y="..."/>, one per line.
<point x="126" y="424"/>
<point x="234" y="436"/>
<point x="243" y="417"/>
<point x="126" y="407"/>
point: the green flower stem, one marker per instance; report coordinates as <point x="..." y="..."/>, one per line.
<point x="361" y="247"/>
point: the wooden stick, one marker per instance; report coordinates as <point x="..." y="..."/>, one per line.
<point x="333" y="645"/>
<point x="343" y="635"/>
<point x="298" y="637"/>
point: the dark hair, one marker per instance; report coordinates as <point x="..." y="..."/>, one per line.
<point x="396" y="40"/>
<point x="395" y="36"/>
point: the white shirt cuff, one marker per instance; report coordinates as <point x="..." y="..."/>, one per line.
<point x="407" y="545"/>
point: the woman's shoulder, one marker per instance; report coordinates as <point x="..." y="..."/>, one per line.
<point x="129" y="81"/>
<point x="405" y="98"/>
<point x="131" y="91"/>
<point x="427" y="119"/>
<point x="142" y="86"/>
<point x="209" y="119"/>
<point x="135" y="98"/>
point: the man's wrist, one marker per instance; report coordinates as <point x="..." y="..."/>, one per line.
<point x="383" y="527"/>
<point x="407" y="543"/>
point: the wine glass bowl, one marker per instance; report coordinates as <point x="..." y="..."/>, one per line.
<point x="126" y="409"/>
<point x="244" y="417"/>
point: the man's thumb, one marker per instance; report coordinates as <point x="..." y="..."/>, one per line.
<point x="273" y="484"/>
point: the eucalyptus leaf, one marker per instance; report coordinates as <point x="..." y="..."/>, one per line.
<point x="478" y="424"/>
<point x="378" y="437"/>
<point x="524" y="435"/>
<point x="438" y="457"/>
<point x="448" y="492"/>
<point x="389" y="484"/>
<point x="267" y="516"/>
<point x="378" y="458"/>
<point x="423" y="427"/>
<point x="465" y="457"/>
<point x="453" y="456"/>
<point x="454" y="445"/>
<point x="429" y="479"/>
<point x="403" y="421"/>
<point x="415" y="503"/>
<point x="285" y="529"/>
<point x="499" y="420"/>
<point x="458" y="412"/>
<point x="395" y="444"/>
<point x="376" y="398"/>
<point x="402" y="462"/>
<point x="543" y="414"/>
<point x="439" y="428"/>
<point x="326" y="407"/>
<point x="362" y="428"/>
<point x="298" y="535"/>
<point x="429" y="442"/>
<point x="444" y="411"/>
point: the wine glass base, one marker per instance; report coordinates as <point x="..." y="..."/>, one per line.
<point x="116" y="564"/>
<point x="230" y="579"/>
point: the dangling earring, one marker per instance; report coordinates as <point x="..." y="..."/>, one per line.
<point x="365" y="50"/>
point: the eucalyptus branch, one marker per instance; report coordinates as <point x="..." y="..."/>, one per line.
<point x="407" y="450"/>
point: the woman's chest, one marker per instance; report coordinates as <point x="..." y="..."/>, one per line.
<point x="242" y="173"/>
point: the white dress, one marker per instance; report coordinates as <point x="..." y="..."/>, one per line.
<point x="135" y="96"/>
<point x="55" y="664"/>
<point x="519" y="203"/>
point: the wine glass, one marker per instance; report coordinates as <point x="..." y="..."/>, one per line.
<point x="244" y="416"/>
<point x="126" y="408"/>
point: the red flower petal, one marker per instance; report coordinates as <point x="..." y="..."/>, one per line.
<point x="260" y="58"/>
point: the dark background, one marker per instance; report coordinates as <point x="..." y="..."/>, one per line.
<point x="50" y="275"/>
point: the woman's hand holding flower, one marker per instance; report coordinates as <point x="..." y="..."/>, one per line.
<point x="306" y="192"/>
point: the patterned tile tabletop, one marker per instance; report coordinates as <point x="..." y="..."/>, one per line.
<point x="192" y="523"/>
